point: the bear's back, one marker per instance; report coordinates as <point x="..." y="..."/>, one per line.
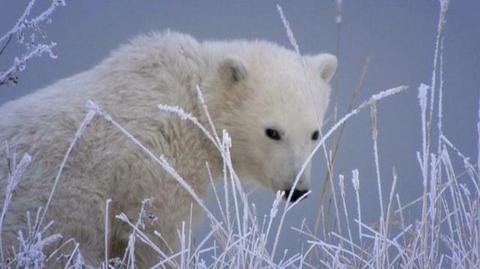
<point x="160" y="68"/>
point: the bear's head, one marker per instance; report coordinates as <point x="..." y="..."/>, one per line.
<point x="272" y="104"/>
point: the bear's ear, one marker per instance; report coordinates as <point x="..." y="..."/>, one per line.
<point x="325" y="64"/>
<point x="232" y="70"/>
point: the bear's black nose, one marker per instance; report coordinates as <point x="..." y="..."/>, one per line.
<point x="295" y="195"/>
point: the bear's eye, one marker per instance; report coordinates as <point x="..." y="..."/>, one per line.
<point x="273" y="134"/>
<point x="315" y="135"/>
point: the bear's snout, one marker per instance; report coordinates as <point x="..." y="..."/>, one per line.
<point x="297" y="194"/>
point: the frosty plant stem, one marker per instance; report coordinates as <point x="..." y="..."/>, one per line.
<point x="88" y="118"/>
<point x="106" y="231"/>
<point x="373" y="116"/>
<point x="478" y="137"/>
<point x="341" y="184"/>
<point x="428" y="122"/>
<point x="422" y="97"/>
<point x="13" y="179"/>
<point x="23" y="22"/>
<point x="294" y="43"/>
<point x="33" y="47"/>
<point x="356" y="187"/>
<point x="338" y="23"/>
<point x="336" y="143"/>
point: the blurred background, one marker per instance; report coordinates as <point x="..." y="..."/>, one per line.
<point x="398" y="36"/>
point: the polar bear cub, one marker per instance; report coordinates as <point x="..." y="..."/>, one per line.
<point x="270" y="100"/>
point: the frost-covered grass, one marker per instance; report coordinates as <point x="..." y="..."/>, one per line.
<point x="439" y="229"/>
<point x="28" y="33"/>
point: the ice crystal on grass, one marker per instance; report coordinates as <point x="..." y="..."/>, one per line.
<point x="16" y="171"/>
<point x="28" y="25"/>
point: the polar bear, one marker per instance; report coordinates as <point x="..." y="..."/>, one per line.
<point x="270" y="100"/>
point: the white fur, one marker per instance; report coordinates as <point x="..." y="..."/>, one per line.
<point x="248" y="86"/>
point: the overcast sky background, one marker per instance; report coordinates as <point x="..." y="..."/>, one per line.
<point x="398" y="35"/>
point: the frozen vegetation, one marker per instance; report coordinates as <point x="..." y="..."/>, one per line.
<point x="439" y="229"/>
<point x="28" y="33"/>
